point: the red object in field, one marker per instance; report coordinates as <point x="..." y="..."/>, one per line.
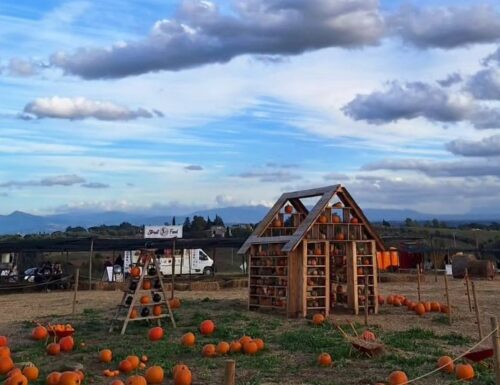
<point x="479" y="355"/>
<point x="60" y="333"/>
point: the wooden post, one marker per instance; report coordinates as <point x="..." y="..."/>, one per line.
<point x="366" y="299"/>
<point x="91" y="257"/>
<point x="172" y="290"/>
<point x="476" y="309"/>
<point x="495" y="338"/>
<point x="418" y="282"/>
<point x="77" y="278"/>
<point x="447" y="297"/>
<point x="230" y="372"/>
<point x="468" y="290"/>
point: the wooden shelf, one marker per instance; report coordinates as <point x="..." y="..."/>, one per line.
<point x="144" y="318"/>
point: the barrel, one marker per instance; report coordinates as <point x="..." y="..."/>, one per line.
<point x="386" y="260"/>
<point x="394" y="256"/>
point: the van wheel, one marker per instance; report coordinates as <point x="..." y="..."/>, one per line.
<point x="208" y="271"/>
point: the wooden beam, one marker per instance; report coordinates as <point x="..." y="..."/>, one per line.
<point x="311" y="192"/>
<point x="299" y="206"/>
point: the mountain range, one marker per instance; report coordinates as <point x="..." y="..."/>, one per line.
<point x="24" y="223"/>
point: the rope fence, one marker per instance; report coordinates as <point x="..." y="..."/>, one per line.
<point x="16" y="287"/>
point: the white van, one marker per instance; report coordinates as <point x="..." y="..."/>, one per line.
<point x="201" y="263"/>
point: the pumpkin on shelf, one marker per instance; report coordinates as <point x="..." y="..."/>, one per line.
<point x="323" y="219"/>
<point x="145" y="299"/>
<point x="146" y="284"/>
<point x="288" y="209"/>
<point x="145" y="312"/>
<point x="340" y="237"/>
<point x="156" y="297"/>
<point x="354" y="220"/>
<point x="277" y="223"/>
<point x="135" y="272"/>
<point x="318" y="251"/>
<point x="157" y="310"/>
<point x="336" y="218"/>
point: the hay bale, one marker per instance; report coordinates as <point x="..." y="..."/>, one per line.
<point x="205" y="286"/>
<point x="181" y="286"/>
<point x="460" y="262"/>
<point x="482" y="269"/>
<point x="236" y="283"/>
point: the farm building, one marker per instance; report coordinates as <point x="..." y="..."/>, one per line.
<point x="305" y="261"/>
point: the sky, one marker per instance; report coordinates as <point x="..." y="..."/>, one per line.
<point x="171" y="106"/>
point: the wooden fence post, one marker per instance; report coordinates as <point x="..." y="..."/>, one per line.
<point x="468" y="290"/>
<point x="230" y="372"/>
<point x="495" y="338"/>
<point x="447" y="296"/>
<point x="77" y="278"/>
<point x="476" y="309"/>
<point x="91" y="257"/>
<point x="366" y="299"/>
<point x="418" y="282"/>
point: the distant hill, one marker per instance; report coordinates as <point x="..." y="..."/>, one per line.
<point x="24" y="223"/>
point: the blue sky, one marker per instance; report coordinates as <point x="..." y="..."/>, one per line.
<point x="180" y="105"/>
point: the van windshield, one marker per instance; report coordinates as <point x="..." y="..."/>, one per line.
<point x="203" y="256"/>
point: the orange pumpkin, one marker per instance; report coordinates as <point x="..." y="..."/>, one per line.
<point x="81" y="375"/>
<point x="380" y="300"/>
<point x="117" y="382"/>
<point x="277" y="222"/>
<point x="260" y="343"/>
<point x="53" y="349"/>
<point x="318" y="319"/>
<point x="156" y="310"/>
<point x="4" y="341"/>
<point x="368" y="336"/>
<point x="142" y="365"/>
<point x="250" y="348"/>
<point x="288" y="209"/>
<point x="53" y="378"/>
<point x="420" y="309"/>
<point x="209" y="350"/>
<point x="31" y="373"/>
<point x="398" y="378"/>
<point x="134" y="360"/>
<point x="322" y="219"/>
<point x="6" y="364"/>
<point x="135" y="272"/>
<point x="106" y="355"/>
<point x="146" y="284"/>
<point x="207" y="327"/>
<point x="67" y="344"/>
<point x="464" y="372"/>
<point x="154" y="375"/>
<point x="390" y="299"/>
<point x="136" y="380"/>
<point x="133" y="314"/>
<point x="155" y="334"/>
<point x="17" y="379"/>
<point x="444" y="309"/>
<point x="245" y="339"/>
<point x="336" y="218"/>
<point x="145" y="299"/>
<point x="445" y="364"/>
<point x="4" y="351"/>
<point x="178" y="367"/>
<point x="354" y="220"/>
<point x="188" y="339"/>
<point x="324" y="359"/>
<point x="13" y="372"/>
<point x="340" y="236"/>
<point x="183" y="376"/>
<point x="125" y="366"/>
<point x="396" y="302"/>
<point x="222" y="348"/>
<point x="427" y="306"/>
<point x="39" y="333"/>
<point x="144" y="358"/>
<point x="69" y="378"/>
<point x="436" y="307"/>
<point x="235" y="347"/>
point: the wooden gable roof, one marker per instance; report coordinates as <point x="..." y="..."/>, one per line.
<point x="292" y="241"/>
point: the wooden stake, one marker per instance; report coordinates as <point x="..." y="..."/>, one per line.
<point x="447" y="297"/>
<point x="476" y="309"/>
<point x="91" y="257"/>
<point x="230" y="372"/>
<point x="468" y="290"/>
<point x="366" y="300"/>
<point x="77" y="278"/>
<point x="418" y="282"/>
<point x="172" y="289"/>
<point x="495" y="338"/>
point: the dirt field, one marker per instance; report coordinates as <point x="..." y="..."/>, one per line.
<point x="27" y="307"/>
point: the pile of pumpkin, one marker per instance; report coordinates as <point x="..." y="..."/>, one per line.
<point x="419" y="308"/>
<point x="65" y="344"/>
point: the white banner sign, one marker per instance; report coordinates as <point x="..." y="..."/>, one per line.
<point x="162" y="232"/>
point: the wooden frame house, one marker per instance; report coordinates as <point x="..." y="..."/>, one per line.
<point x="302" y="262"/>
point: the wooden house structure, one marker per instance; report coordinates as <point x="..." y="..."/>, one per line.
<point x="304" y="261"/>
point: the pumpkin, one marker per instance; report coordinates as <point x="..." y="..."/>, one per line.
<point x="420" y="309"/>
<point x="117" y="382"/>
<point x="67" y="344"/>
<point x="155" y="334"/>
<point x="222" y="348"/>
<point x="178" y="367"/>
<point x="125" y="366"/>
<point x="381" y="300"/>
<point x="336" y="218"/>
<point x="260" y="343"/>
<point x="133" y="314"/>
<point x="154" y="375"/>
<point x="135" y="272"/>
<point x="53" y="378"/>
<point x="398" y="378"/>
<point x="207" y="327"/>
<point x="145" y="299"/>
<point x="136" y="380"/>
<point x="4" y="351"/>
<point x="390" y="299"/>
<point x="209" y="350"/>
<point x="318" y="319"/>
<point x="444" y="309"/>
<point x="340" y="236"/>
<point x="324" y="359"/>
<point x="427" y="306"/>
<point x="144" y="358"/>
<point x="445" y="364"/>
<point x="39" y="333"/>
<point x="145" y="312"/>
<point x="13" y="372"/>
<point x="53" y="349"/>
<point x="435" y="307"/>
<point x="17" y="379"/>
<point x="411" y="305"/>
<point x="31" y="372"/>
<point x="277" y="222"/>
<point x="142" y="365"/>
<point x="317" y="251"/>
<point x="354" y="220"/>
<point x="69" y="378"/>
<point x="322" y="219"/>
<point x="134" y="360"/>
<point x="156" y="310"/>
<point x="250" y="348"/>
<point x="106" y="355"/>
<point x="146" y="284"/>
<point x="183" y="376"/>
<point x="4" y="341"/>
<point x="245" y="339"/>
<point x="82" y="375"/>
<point x="288" y="209"/>
<point x="6" y="364"/>
<point x="156" y="297"/>
<point x="175" y="303"/>
<point x="188" y="339"/>
<point x="368" y="336"/>
<point x="235" y="347"/>
<point x="464" y="372"/>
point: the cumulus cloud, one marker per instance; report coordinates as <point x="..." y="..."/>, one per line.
<point x="450" y="80"/>
<point x="409" y="101"/>
<point x="57" y="180"/>
<point x="446" y="27"/>
<point x="193" y="167"/>
<point x="489" y="146"/>
<point x="95" y="185"/>
<point x="202" y="34"/>
<point x="438" y="168"/>
<point x="80" y="108"/>
<point x="21" y="67"/>
<point x="485" y="84"/>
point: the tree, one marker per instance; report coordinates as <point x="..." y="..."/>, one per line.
<point x="198" y="224"/>
<point x="173" y="221"/>
<point x="409" y="222"/>
<point x="218" y="221"/>
<point x="385" y="223"/>
<point x="186" y="227"/>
